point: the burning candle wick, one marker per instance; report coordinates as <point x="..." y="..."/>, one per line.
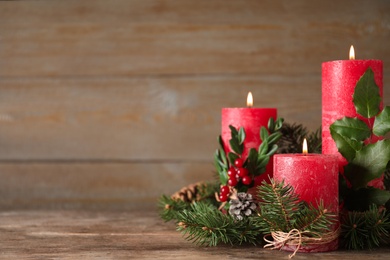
<point x="249" y="100"/>
<point x="351" y="53"/>
<point x="304" y="148"/>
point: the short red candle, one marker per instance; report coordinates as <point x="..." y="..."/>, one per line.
<point x="339" y="79"/>
<point x="314" y="177"/>
<point x="251" y="119"/>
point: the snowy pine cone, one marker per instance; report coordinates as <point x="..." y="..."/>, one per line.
<point x="242" y="206"/>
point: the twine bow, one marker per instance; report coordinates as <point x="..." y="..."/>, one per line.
<point x="296" y="238"/>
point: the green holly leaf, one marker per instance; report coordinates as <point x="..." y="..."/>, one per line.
<point x="263" y="148"/>
<point x="274" y="137"/>
<point x="251" y="161"/>
<point x="262" y="162"/>
<point x="271" y="125"/>
<point x="252" y="156"/>
<point x="351" y="128"/>
<point x="279" y="123"/>
<point x="263" y="133"/>
<point x="219" y="161"/>
<point x="273" y="150"/>
<point x="234" y="142"/>
<point x="241" y="135"/>
<point x="382" y="122"/>
<point x="233" y="131"/>
<point x="361" y="199"/>
<point x="369" y="163"/>
<point x="366" y="97"/>
<point x="347" y="147"/>
<point x="220" y="141"/>
<point x="232" y="157"/>
<point x="348" y="134"/>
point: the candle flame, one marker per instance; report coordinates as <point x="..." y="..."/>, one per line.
<point x="351" y="53"/>
<point x="304" y="149"/>
<point x="249" y="100"/>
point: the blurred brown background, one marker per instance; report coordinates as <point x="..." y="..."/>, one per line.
<point x="109" y="104"/>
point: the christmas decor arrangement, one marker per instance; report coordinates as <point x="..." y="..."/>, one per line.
<point x="234" y="170"/>
<point x="367" y="152"/>
<point x="246" y="204"/>
<point x="279" y="212"/>
<point x="291" y="222"/>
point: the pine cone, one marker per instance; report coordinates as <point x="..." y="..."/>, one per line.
<point x="242" y="206"/>
<point x="292" y="139"/>
<point x="189" y="193"/>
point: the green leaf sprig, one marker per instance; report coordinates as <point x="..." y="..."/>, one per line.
<point x="367" y="160"/>
<point x="257" y="159"/>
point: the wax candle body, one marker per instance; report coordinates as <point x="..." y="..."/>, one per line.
<point x="339" y="79"/>
<point x="251" y="119"/>
<point x="314" y="177"/>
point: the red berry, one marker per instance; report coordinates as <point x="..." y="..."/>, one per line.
<point x="225" y="190"/>
<point x="246" y="180"/>
<point x="232" y="181"/>
<point x="242" y="172"/>
<point x="238" y="162"/>
<point x="231" y="172"/>
<point x="223" y="197"/>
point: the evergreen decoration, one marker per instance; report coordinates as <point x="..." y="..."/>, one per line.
<point x="237" y="173"/>
<point x="292" y="222"/>
<point x="355" y="140"/>
<point x="365" y="222"/>
<point x="190" y="193"/>
<point x="242" y="206"/>
<point x="257" y="159"/>
<point x="280" y="209"/>
<point x="365" y="230"/>
<point x="292" y="139"/>
<point x="204" y="224"/>
<point x="170" y="206"/>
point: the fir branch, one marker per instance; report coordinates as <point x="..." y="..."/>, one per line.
<point x="316" y="218"/>
<point x="169" y="208"/>
<point x="279" y="205"/>
<point x="281" y="210"/>
<point x="207" y="192"/>
<point x="365" y="230"/>
<point x="204" y="224"/>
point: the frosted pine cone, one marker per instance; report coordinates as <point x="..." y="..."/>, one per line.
<point x="242" y="206"/>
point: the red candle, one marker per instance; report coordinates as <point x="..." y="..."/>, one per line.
<point x="339" y="79"/>
<point x="251" y="119"/>
<point x="314" y="177"/>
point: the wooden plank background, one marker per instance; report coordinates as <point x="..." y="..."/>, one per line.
<point x="108" y="104"/>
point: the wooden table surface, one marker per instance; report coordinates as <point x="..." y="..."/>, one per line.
<point x="65" y="234"/>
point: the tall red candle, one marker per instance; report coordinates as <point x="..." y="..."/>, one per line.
<point x="339" y="79"/>
<point x="251" y="119"/>
<point x="314" y="177"/>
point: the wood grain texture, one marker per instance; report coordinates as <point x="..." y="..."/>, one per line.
<point x="94" y="38"/>
<point x="95" y="185"/>
<point x="91" y="85"/>
<point x="124" y="235"/>
<point x="137" y="119"/>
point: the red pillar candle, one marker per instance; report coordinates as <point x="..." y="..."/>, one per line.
<point x="251" y="119"/>
<point x="339" y="79"/>
<point x="314" y="177"/>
